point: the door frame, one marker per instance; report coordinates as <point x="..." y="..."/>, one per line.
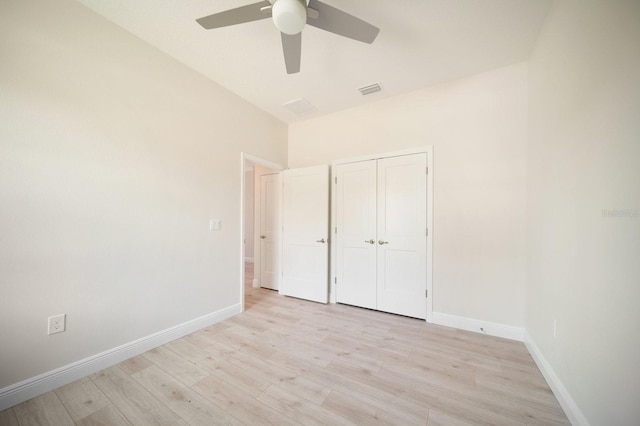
<point x="245" y="160"/>
<point x="333" y="219"/>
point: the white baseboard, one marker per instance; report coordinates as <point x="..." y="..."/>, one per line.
<point x="479" y="326"/>
<point x="248" y="259"/>
<point x="30" y="388"/>
<point x="255" y="283"/>
<point x="562" y="394"/>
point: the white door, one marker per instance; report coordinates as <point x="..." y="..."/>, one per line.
<point x="270" y="230"/>
<point x="402" y="235"/>
<point x="356" y="222"/>
<point x="305" y="248"/>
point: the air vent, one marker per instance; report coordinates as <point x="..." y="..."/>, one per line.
<point x="372" y="88"/>
<point x="300" y="106"/>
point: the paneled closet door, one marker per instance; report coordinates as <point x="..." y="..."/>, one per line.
<point x="356" y="221"/>
<point x="402" y="235"/>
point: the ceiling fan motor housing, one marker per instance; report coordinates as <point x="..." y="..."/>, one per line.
<point x="289" y="16"/>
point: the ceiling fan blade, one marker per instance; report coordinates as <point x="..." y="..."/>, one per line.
<point x="341" y="23"/>
<point x="239" y="15"/>
<point x="292" y="48"/>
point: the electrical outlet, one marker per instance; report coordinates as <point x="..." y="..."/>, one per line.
<point x="57" y="323"/>
<point x="215" y="224"/>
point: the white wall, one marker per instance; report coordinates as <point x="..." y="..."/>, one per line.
<point x="478" y="129"/>
<point x="583" y="158"/>
<point x="113" y="158"/>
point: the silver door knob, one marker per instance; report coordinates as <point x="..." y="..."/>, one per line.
<point x="321" y="241"/>
<point x="370" y="241"/>
<point x="382" y="242"/>
<point x="263" y="236"/>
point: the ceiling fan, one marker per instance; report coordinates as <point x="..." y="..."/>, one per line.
<point x="290" y="17"/>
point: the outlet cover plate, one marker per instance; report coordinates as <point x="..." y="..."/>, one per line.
<point x="215" y="224"/>
<point x="57" y="324"/>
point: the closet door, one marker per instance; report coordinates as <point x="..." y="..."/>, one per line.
<point x="402" y="235"/>
<point x="356" y="222"/>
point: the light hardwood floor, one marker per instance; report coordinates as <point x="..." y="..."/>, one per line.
<point x="286" y="361"/>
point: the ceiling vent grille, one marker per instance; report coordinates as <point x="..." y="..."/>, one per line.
<point x="300" y="106"/>
<point x="372" y="88"/>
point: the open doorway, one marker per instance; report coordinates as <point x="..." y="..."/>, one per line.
<point x="253" y="168"/>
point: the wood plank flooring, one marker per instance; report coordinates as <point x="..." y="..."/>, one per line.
<point x="289" y="362"/>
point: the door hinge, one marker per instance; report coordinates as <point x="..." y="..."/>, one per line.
<point x="335" y="179"/>
<point x="427" y="231"/>
<point x="335" y="280"/>
<point x="335" y="230"/>
<point x="426" y="169"/>
<point x="426" y="293"/>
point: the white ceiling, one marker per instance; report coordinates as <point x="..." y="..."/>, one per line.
<point x="421" y="43"/>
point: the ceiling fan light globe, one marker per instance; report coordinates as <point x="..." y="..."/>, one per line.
<point x="289" y="16"/>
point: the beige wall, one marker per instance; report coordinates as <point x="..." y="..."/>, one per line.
<point x="477" y="127"/>
<point x="583" y="158"/>
<point x="113" y="158"/>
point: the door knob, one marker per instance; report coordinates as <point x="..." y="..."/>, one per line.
<point x="321" y="241"/>
<point x="382" y="242"/>
<point x="369" y="241"/>
<point x="263" y="236"/>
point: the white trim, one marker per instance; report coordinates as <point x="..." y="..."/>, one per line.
<point x="479" y="326"/>
<point x="30" y="388"/>
<point x="333" y="247"/>
<point x="419" y="150"/>
<point x="575" y="415"/>
<point x="430" y="207"/>
<point x="262" y="162"/>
